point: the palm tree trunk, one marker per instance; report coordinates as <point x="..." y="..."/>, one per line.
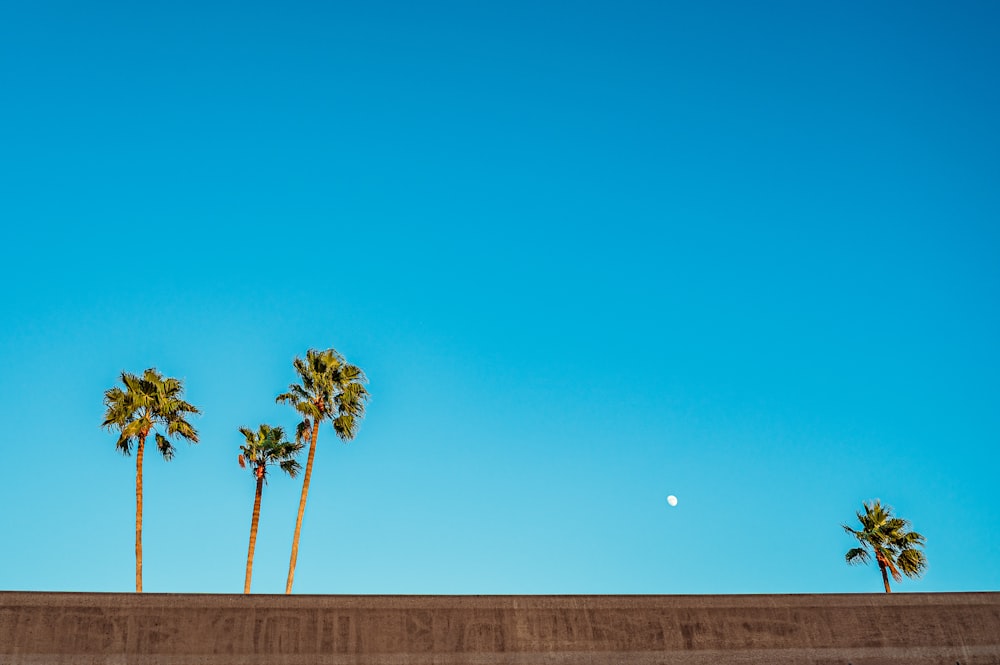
<point x="302" y="506"/>
<point x="253" y="530"/>
<point x="885" y="577"/>
<point x="138" y="513"/>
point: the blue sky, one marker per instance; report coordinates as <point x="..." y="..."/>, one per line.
<point x="589" y="254"/>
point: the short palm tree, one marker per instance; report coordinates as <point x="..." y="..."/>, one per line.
<point x="330" y="389"/>
<point x="263" y="448"/>
<point x="891" y="542"/>
<point x="145" y="404"/>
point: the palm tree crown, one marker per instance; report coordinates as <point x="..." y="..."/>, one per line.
<point x="267" y="446"/>
<point x="147" y="402"/>
<point x="330" y="389"/>
<point x="890" y="540"/>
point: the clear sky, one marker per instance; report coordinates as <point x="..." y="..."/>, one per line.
<point x="589" y="254"/>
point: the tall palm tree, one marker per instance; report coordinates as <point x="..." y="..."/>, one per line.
<point x="147" y="403"/>
<point x="330" y="389"/>
<point x="890" y="540"/>
<point x="263" y="448"/>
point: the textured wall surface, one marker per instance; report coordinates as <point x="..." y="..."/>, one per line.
<point x="861" y="629"/>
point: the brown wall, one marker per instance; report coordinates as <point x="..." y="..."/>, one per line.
<point x="862" y="629"/>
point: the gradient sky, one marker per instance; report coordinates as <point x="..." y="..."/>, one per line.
<point x="589" y="254"/>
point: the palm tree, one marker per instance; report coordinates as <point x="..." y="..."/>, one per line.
<point x="146" y="403"/>
<point x="890" y="540"/>
<point x="264" y="447"/>
<point x="330" y="389"/>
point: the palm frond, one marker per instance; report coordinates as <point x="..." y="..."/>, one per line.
<point x="311" y="410"/>
<point x="346" y="426"/>
<point x="182" y="407"/>
<point x="910" y="539"/>
<point x="303" y="431"/>
<point x="275" y="432"/>
<point x="132" y="383"/>
<point x="352" y="399"/>
<point x="912" y="562"/>
<point x="137" y="427"/>
<point x="124" y="444"/>
<point x="856" y="534"/>
<point x="856" y="556"/>
<point x="292" y="449"/>
<point x="165" y="447"/>
<point x="352" y="374"/>
<point x="179" y="427"/>
<point x="295" y="394"/>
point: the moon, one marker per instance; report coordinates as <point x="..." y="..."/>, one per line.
<point x="672" y="500"/>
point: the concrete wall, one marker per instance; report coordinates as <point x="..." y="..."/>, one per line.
<point x="863" y="629"/>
